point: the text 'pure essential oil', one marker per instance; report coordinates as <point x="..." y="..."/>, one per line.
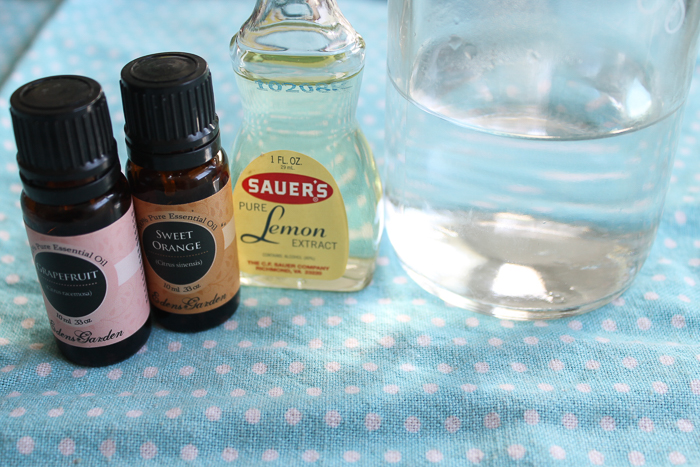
<point x="182" y="190"/>
<point x="80" y="220"/>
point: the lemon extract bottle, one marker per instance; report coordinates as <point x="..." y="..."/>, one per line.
<point x="307" y="196"/>
<point x="181" y="182"/>
<point x="79" y="216"/>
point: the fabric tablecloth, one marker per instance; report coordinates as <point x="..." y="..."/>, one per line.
<point x="388" y="375"/>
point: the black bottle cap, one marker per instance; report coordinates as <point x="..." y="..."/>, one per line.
<point x="66" y="151"/>
<point x="171" y="122"/>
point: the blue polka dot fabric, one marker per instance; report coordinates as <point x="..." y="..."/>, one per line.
<point x="386" y="376"/>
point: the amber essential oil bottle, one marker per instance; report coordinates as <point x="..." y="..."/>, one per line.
<point x="80" y="220"/>
<point x="182" y="191"/>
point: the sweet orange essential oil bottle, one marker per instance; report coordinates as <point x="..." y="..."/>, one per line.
<point x="182" y="191"/>
<point x="80" y="220"/>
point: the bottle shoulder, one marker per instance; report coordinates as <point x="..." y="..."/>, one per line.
<point x="78" y="219"/>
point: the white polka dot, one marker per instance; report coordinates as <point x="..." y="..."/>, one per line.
<point x="7" y="369"/>
<point x="284" y="301"/>
<point x="299" y="320"/>
<point x="229" y="454"/>
<point x="12" y="279"/>
<point x="43" y="369"/>
<point x="209" y="344"/>
<point x="570" y="421"/>
<point x="79" y="373"/>
<point x="686" y="299"/>
<point x="391" y="389"/>
<point x="469" y="387"/>
<point x="667" y="360"/>
<point x="174" y="346"/>
<point x="644" y="324"/>
<point x="293" y="416"/>
<point x="387" y="342"/>
<point x="222" y="369"/>
<point x="332" y="418"/>
<point x="412" y="425"/>
<point x="314" y="392"/>
<point x="492" y="420"/>
<point x="636" y="458"/>
<point x="96" y="412"/>
<point x="108" y="448"/>
<point x="481" y="367"/>
<point x="252" y="416"/>
<point x="318" y="301"/>
<point x="310" y="456"/>
<point x="186" y="371"/>
<point x="475" y="456"/>
<point x="531" y="340"/>
<point x="213" y="414"/>
<point x="199" y="393"/>
<point x="270" y="455"/>
<point x="619" y="301"/>
<point x="125" y="394"/>
<point x="150" y="372"/>
<point x="352" y="456"/>
<point x="434" y="456"/>
<point x="658" y="278"/>
<point x="334" y="320"/>
<point x="238" y="393"/>
<point x="676" y="458"/>
<point x="173" y="413"/>
<point x="350" y="301"/>
<point x="495" y="342"/>
<point x="370" y="366"/>
<point x="315" y="343"/>
<point x="459" y="341"/>
<point x="8" y="259"/>
<point x="659" y="387"/>
<point x="352" y="390"/>
<point x="531" y="417"/>
<point x="651" y="296"/>
<point x="685" y="425"/>
<point x="607" y="423"/>
<point x="680" y="217"/>
<point x="53" y="413"/>
<point x="678" y="321"/>
<point x="472" y="322"/>
<point x="592" y="365"/>
<point x="368" y="318"/>
<point x="557" y="453"/>
<point x="545" y="387"/>
<point x="540" y="323"/>
<point x="14" y="394"/>
<point x="332" y="366"/>
<point x="646" y="424"/>
<point x="231" y="325"/>
<point x="36" y="346"/>
<point x="265" y="322"/>
<point x="453" y="424"/>
<point x="444" y="368"/>
<point x="602" y="340"/>
<point x="259" y="368"/>
<point x="250" y="302"/>
<point x="134" y="413"/>
<point x="372" y="422"/>
<point x="351" y="343"/>
<point x="556" y="365"/>
<point x="690" y="281"/>
<point x="430" y="388"/>
<point x="596" y="458"/>
<point x="507" y="324"/>
<point x="245" y="344"/>
<point x="18" y="412"/>
<point x="424" y="341"/>
<point x="575" y="325"/>
<point x="28" y="323"/>
<point x="609" y="325"/>
<point x="25" y="445"/>
<point x="516" y="451"/>
<point x="296" y="367"/>
<point x="403" y="318"/>
<point x="630" y="363"/>
<point x="392" y="457"/>
<point x="407" y="367"/>
<point x="21" y="300"/>
<point x="189" y="452"/>
<point x="621" y="387"/>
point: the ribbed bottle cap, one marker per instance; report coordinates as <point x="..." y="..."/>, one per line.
<point x="169" y="111"/>
<point x="64" y="135"/>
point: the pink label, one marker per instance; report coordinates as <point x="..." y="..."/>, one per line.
<point x="93" y="284"/>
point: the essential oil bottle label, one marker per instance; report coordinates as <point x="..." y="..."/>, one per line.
<point x="93" y="284"/>
<point x="190" y="249"/>
<point x="291" y="218"/>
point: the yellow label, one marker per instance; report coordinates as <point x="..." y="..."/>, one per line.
<point x="189" y="251"/>
<point x="290" y="218"/>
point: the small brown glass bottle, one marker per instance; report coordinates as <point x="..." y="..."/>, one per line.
<point x="181" y="183"/>
<point x="80" y="220"/>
